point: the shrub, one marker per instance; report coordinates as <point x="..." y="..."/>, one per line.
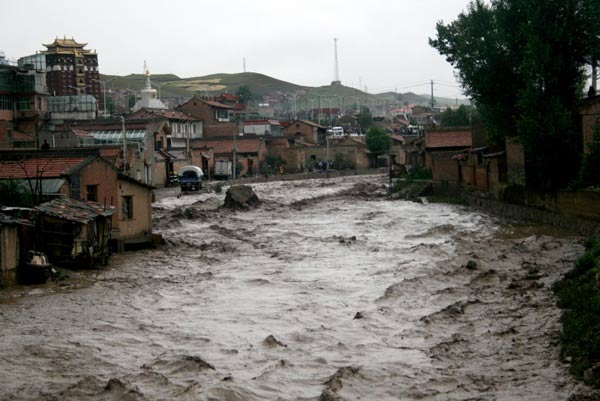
<point x="579" y="295"/>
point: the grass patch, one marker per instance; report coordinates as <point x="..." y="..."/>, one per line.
<point x="579" y="296"/>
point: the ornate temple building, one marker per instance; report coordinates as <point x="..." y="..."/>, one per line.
<point x="72" y="70"/>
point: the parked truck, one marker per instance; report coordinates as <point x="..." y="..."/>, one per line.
<point x="223" y="169"/>
<point x="190" y="178"/>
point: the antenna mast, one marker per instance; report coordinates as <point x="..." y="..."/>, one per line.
<point x="336" y="71"/>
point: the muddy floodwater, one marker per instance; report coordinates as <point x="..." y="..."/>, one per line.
<point x="327" y="291"/>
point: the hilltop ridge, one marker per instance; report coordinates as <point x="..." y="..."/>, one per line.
<point x="171" y="85"/>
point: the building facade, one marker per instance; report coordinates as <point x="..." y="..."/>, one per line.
<point x="72" y="70"/>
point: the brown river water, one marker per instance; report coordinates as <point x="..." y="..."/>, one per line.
<point x="327" y="291"/>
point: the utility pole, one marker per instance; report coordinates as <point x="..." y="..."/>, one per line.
<point x="124" y="132"/>
<point x="320" y="109"/>
<point x="244" y="64"/>
<point x="432" y="101"/>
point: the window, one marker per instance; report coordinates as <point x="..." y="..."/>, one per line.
<point x="92" y="193"/>
<point x="127" y="207"/>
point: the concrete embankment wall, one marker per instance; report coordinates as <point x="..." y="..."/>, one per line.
<point x="303" y="176"/>
<point x="577" y="211"/>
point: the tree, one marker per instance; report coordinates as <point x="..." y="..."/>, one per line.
<point x="378" y="141"/>
<point x="522" y="62"/>
<point x="365" y="119"/>
<point x="461" y="117"/>
<point x="244" y="93"/>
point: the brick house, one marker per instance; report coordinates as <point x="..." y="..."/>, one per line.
<point x="353" y="151"/>
<point x="216" y="117"/>
<point x="250" y="152"/>
<point x="306" y="131"/>
<point x="263" y="127"/>
<point x="82" y="174"/>
<point x="182" y="127"/>
<point x="23" y="106"/>
<point x="441" y="145"/>
<point x="287" y="149"/>
<point x="147" y="136"/>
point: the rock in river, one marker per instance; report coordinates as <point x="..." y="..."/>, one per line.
<point x="241" y="197"/>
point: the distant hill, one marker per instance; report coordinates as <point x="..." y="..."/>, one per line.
<point x="171" y="85"/>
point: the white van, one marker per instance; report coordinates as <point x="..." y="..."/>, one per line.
<point x="336" y="131"/>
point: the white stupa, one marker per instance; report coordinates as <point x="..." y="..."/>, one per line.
<point x="149" y="98"/>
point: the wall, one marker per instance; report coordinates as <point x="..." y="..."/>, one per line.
<point x="104" y="175"/>
<point x="139" y="228"/>
<point x="307" y="133"/>
<point x="9" y="254"/>
<point x="515" y="163"/>
<point x="211" y="127"/>
<point x="588" y="121"/>
<point x="443" y="167"/>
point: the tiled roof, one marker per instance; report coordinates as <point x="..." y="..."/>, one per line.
<point x="217" y="104"/>
<point x="309" y="123"/>
<point x="448" y="139"/>
<point x="261" y="122"/>
<point x="42" y="167"/>
<point x="74" y="210"/>
<point x="168" y="114"/>
<point x="21" y="136"/>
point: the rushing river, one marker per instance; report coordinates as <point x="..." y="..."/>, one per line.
<point x="326" y="291"/>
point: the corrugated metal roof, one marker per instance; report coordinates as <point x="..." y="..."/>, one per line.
<point x="74" y="210"/>
<point x="115" y="136"/>
<point x="11" y="221"/>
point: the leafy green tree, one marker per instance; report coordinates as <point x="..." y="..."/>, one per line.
<point x="365" y="119"/>
<point x="13" y="193"/>
<point x="522" y="62"/>
<point x="461" y="117"/>
<point x="378" y="141"/>
<point x="244" y="93"/>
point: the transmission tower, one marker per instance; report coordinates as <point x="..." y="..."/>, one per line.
<point x="336" y="71"/>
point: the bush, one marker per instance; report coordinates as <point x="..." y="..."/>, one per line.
<point x="12" y="193"/>
<point x="420" y="173"/>
<point x="579" y="295"/>
<point x="219" y="188"/>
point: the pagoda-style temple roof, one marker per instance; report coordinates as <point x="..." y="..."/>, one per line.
<point x="65" y="46"/>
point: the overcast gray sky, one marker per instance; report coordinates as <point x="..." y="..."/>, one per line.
<point x="381" y="43"/>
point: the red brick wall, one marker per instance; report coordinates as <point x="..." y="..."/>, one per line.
<point x="515" y="163"/>
<point x="103" y="175"/>
<point x="445" y="169"/>
<point x="468" y="173"/>
<point x="304" y="131"/>
<point x="211" y="126"/>
<point x="212" y="130"/>
<point x="481" y="177"/>
<point x="588" y="122"/>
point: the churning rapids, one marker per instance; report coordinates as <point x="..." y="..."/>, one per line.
<point x="327" y="291"/>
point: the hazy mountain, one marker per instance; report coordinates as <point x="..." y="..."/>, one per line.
<point x="171" y="85"/>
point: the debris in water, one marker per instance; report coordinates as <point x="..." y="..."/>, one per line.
<point x="271" y="341"/>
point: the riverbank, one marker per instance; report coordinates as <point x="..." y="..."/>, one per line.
<point x="576" y="211"/>
<point x="579" y="296"/>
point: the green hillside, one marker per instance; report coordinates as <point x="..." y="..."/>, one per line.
<point x="171" y="85"/>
